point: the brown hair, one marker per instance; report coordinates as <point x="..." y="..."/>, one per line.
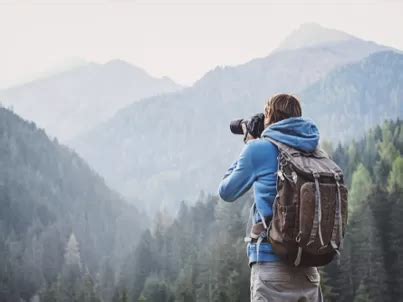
<point x="280" y="107"/>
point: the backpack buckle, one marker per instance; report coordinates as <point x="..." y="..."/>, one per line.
<point x="294" y="177"/>
<point x="298" y="238"/>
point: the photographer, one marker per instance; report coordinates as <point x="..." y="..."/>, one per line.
<point x="257" y="166"/>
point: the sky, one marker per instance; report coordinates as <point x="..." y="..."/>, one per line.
<point x="181" y="39"/>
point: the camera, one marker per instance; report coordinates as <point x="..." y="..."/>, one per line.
<point x="253" y="126"/>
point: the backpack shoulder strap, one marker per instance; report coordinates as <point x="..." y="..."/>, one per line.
<point x="283" y="148"/>
<point x="318" y="152"/>
<point x="274" y="142"/>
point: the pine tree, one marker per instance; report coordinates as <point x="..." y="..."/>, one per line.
<point x="107" y="282"/>
<point x="88" y="290"/>
<point x="144" y="262"/>
<point x="49" y="294"/>
<point x="361" y="187"/>
<point x="69" y="281"/>
<point x="367" y="254"/>
<point x="362" y="294"/>
<point x="395" y="179"/>
<point x="121" y="295"/>
<point x="184" y="284"/>
<point x="387" y="153"/>
<point x="142" y="299"/>
<point x="394" y="245"/>
<point x="72" y="257"/>
<point x="325" y="283"/>
<point x="125" y="297"/>
<point x="156" y="290"/>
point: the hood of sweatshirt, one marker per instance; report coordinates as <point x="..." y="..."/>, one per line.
<point x="296" y="132"/>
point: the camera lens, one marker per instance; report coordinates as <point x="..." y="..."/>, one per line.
<point x="236" y="126"/>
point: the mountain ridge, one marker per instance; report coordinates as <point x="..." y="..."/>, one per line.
<point x="313" y="34"/>
<point x="76" y="100"/>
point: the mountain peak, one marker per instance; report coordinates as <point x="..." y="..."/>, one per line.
<point x="118" y="64"/>
<point x="311" y="34"/>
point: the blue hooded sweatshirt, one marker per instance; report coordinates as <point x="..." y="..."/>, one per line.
<point x="257" y="166"/>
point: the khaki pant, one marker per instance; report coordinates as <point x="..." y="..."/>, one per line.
<point x="278" y="282"/>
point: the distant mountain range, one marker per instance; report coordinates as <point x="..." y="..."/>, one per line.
<point x="72" y="102"/>
<point x="167" y="148"/>
<point x="47" y="193"/>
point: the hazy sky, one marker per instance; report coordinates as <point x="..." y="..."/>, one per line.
<point x="180" y="39"/>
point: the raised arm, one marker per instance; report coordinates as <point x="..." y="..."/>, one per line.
<point x="239" y="177"/>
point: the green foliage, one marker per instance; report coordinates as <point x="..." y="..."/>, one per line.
<point x="88" y="291"/>
<point x="362" y="294"/>
<point x="361" y="187"/>
<point x="370" y="263"/>
<point x="184" y="261"/>
<point x="395" y="179"/>
<point x="156" y="290"/>
<point x="387" y="149"/>
<point x="327" y="290"/>
<point x="142" y="299"/>
<point x="121" y="295"/>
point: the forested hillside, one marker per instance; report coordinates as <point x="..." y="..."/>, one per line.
<point x="63" y="233"/>
<point x="355" y="97"/>
<point x="371" y="266"/>
<point x="200" y="256"/>
<point x="170" y="147"/>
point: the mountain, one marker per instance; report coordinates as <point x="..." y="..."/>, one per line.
<point x="312" y="34"/>
<point x="173" y="146"/>
<point x="76" y="100"/>
<point x="47" y="195"/>
<point x="57" y="67"/>
<point x="356" y="97"/>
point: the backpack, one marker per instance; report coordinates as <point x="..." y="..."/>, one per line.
<point x="310" y="208"/>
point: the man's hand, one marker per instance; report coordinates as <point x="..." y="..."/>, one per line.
<point x="248" y="136"/>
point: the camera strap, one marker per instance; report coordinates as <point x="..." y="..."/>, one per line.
<point x="259" y="236"/>
<point x="245" y="132"/>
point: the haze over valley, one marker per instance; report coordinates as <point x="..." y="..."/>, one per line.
<point x="174" y="146"/>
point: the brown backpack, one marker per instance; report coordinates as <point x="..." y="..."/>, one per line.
<point x="310" y="209"/>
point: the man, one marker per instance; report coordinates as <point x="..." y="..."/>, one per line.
<point x="271" y="279"/>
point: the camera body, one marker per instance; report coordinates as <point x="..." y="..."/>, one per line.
<point x="253" y="126"/>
